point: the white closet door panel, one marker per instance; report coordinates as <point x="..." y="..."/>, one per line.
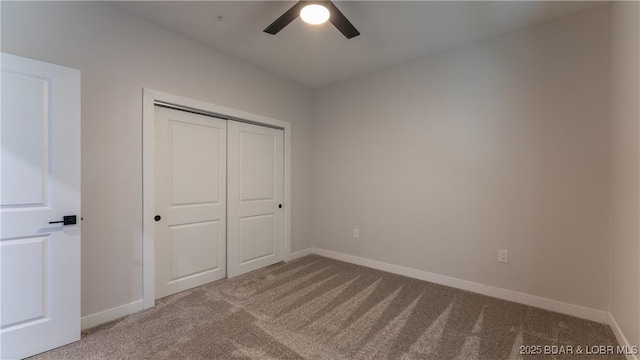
<point x="255" y="192"/>
<point x="190" y="180"/>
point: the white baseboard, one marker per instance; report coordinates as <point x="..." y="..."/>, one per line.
<point x="510" y="295"/>
<point x="300" y="253"/>
<point x="620" y="337"/>
<point x="102" y="317"/>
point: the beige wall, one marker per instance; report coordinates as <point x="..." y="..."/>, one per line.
<point x="503" y="144"/>
<point x="118" y="55"/>
<point x="625" y="169"/>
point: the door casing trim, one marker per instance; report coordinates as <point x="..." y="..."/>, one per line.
<point x="149" y="99"/>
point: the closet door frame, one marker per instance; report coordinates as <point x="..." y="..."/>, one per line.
<point x="151" y="98"/>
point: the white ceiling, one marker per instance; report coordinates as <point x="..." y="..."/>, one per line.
<point x="392" y="32"/>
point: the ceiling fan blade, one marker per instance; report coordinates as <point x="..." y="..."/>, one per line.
<point x="284" y="19"/>
<point x="341" y="23"/>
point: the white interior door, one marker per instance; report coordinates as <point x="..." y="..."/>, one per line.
<point x="40" y="164"/>
<point x="190" y="183"/>
<point x="255" y="197"/>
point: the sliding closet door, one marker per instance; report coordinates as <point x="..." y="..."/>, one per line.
<point x="190" y="183"/>
<point x="255" y="187"/>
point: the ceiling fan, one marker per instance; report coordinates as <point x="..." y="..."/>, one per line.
<point x="304" y="7"/>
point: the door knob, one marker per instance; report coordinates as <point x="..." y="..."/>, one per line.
<point x="280" y="206"/>
<point x="157" y="218"/>
<point x="66" y="220"/>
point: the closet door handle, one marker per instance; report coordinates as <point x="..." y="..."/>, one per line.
<point x="157" y="218"/>
<point x="280" y="206"/>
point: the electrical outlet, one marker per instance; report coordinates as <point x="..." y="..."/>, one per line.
<point x="503" y="256"/>
<point x="356" y="233"/>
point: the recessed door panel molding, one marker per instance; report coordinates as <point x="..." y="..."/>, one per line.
<point x="26" y="300"/>
<point x="255" y="195"/>
<point x="190" y="200"/>
<point x="40" y="255"/>
<point x="25" y="142"/>
<point x="194" y="163"/>
<point x="257" y="236"/>
<point x="257" y="177"/>
<point x="194" y="249"/>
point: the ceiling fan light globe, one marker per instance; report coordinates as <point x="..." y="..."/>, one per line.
<point x="314" y="14"/>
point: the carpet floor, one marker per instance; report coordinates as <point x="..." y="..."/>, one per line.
<point x="319" y="308"/>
